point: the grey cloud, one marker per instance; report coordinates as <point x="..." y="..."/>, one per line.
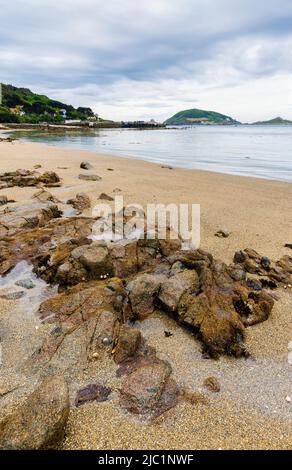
<point x="74" y="44"/>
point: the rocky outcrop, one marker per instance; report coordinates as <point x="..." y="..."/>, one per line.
<point x="24" y="178"/>
<point x="252" y="262"/>
<point x="45" y="246"/>
<point x="26" y="216"/>
<point x="39" y="423"/>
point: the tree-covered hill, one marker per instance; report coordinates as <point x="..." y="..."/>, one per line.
<point x="199" y="116"/>
<point x="273" y="122"/>
<point x="22" y="105"/>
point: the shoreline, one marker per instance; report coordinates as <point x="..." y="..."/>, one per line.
<point x="136" y="156"/>
<point x="132" y="157"/>
<point x="247" y="207"/>
<point x="257" y="213"/>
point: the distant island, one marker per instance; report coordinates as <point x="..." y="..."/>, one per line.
<point x="273" y="122"/>
<point x="20" y="105"/>
<point x="199" y="116"/>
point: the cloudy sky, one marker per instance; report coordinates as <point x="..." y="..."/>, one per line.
<point x="131" y="59"/>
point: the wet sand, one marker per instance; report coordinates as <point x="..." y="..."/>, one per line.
<point x="251" y="410"/>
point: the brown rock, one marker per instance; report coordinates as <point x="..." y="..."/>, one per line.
<point x="92" y="392"/>
<point x="81" y="202"/>
<point x="149" y="390"/>
<point x="127" y="344"/>
<point x="86" y="166"/>
<point x="39" y="423"/>
<point x="105" y="197"/>
<point x="142" y="293"/>
<point x="173" y="288"/>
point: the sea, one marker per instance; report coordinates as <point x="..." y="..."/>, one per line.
<point x="245" y="150"/>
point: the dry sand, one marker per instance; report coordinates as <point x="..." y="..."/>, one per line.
<point x="251" y="410"/>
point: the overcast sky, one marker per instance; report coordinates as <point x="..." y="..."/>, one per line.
<point x="140" y="59"/>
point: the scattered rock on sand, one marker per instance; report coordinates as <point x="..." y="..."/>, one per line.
<point x="81" y="202"/>
<point x="105" y="197"/>
<point x="86" y="166"/>
<point x="92" y="392"/>
<point x="212" y="384"/>
<point x="24" y="178"/>
<point x="39" y="423"/>
<point x="89" y="177"/>
<point x="167" y="167"/>
<point x="222" y="234"/>
<point x="288" y="245"/>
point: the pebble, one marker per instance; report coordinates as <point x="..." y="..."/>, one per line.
<point x="222" y="234"/>
<point x="288" y="399"/>
<point x="107" y="341"/>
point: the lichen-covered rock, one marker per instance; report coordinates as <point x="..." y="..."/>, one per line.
<point x="82" y="302"/>
<point x="173" y="288"/>
<point x="39" y="423"/>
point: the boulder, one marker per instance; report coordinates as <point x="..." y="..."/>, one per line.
<point x="149" y="390"/>
<point x="143" y="291"/>
<point x="128" y="342"/>
<point x="173" y="288"/>
<point x="39" y="423"/>
<point x="94" y="259"/>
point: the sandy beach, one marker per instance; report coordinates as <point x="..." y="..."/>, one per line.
<point x="251" y="410"/>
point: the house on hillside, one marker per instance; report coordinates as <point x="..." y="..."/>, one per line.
<point x="17" y="110"/>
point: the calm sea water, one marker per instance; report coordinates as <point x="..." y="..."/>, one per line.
<point x="260" y="151"/>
